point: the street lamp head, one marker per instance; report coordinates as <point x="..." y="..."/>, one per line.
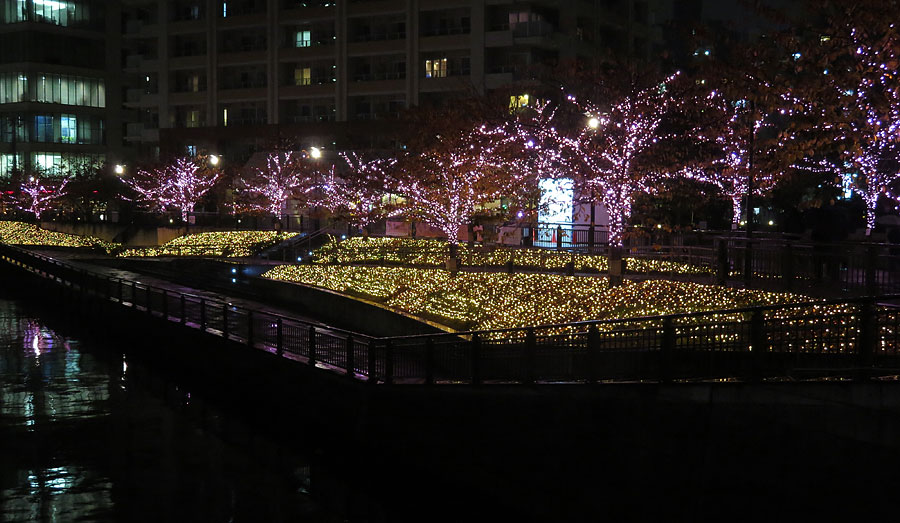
<point x="315" y="153"/>
<point x="213" y="160"/>
<point x="119" y="169"/>
<point x="593" y="122"/>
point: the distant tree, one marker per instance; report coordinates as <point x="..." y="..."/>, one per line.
<point x="286" y="176"/>
<point x="605" y="141"/>
<point x="360" y="194"/>
<point x="181" y="184"/>
<point x="447" y="181"/>
<point x="856" y="62"/>
<point x="38" y="195"/>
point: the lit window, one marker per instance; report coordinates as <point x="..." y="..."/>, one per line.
<point x="302" y="39"/>
<point x="193" y="119"/>
<point x="68" y="128"/>
<point x="224" y="9"/>
<point x="302" y="76"/>
<point x="436" y="68"/>
<point x="192" y="150"/>
<point x="225" y="117"/>
<point x="518" y="101"/>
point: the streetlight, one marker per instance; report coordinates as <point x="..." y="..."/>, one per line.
<point x="213" y="160"/>
<point x="593" y="122"/>
<point x="315" y="153"/>
<point x="119" y="169"/>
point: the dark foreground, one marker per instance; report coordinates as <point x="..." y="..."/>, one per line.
<point x="115" y="419"/>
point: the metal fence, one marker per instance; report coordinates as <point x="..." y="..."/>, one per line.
<point x="855" y="337"/>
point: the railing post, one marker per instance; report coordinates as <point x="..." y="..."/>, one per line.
<point x="867" y="339"/>
<point x="559" y="232"/>
<point x="351" y="372"/>
<point x="530" y="356"/>
<point x="183" y="310"/>
<point x="312" y="346"/>
<point x="748" y="263"/>
<point x="202" y="314"/>
<point x="279" y="337"/>
<point x="476" y="359"/>
<point x="134" y="294"/>
<point x="165" y="304"/>
<point x="372" y="364"/>
<point x="787" y="267"/>
<point x="429" y="361"/>
<point x="591" y="237"/>
<point x="225" y="321"/>
<point x="250" y="328"/>
<point x="593" y="349"/>
<point x="666" y="350"/>
<point x="758" y="343"/>
<point x="388" y="362"/>
<point x="872" y="270"/>
<point x="121" y="284"/>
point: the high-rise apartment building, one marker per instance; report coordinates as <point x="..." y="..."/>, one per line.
<point x="229" y="75"/>
<point x="60" y="84"/>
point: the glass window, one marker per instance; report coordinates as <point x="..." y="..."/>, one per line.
<point x="436" y="68"/>
<point x="68" y="128"/>
<point x="302" y="39"/>
<point x="302" y="76"/>
<point x="43" y="128"/>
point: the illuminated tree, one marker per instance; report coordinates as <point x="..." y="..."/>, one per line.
<point x="39" y="195"/>
<point x="608" y="150"/>
<point x="359" y="196"/>
<point x="459" y="174"/>
<point x="857" y="62"/>
<point x="285" y="176"/>
<point x="181" y="184"/>
<point x="745" y="145"/>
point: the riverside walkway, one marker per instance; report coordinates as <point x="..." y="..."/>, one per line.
<point x="825" y="339"/>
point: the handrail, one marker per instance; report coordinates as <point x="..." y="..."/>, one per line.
<point x="862" y="338"/>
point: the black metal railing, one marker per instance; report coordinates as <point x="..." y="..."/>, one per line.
<point x="848" y="337"/>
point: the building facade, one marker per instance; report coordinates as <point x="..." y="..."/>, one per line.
<point x="60" y="85"/>
<point x="230" y="76"/>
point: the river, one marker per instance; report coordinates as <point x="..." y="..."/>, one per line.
<point x="89" y="436"/>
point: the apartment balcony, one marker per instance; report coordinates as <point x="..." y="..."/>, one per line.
<point x="255" y="19"/>
<point x="149" y="31"/>
<point x="149" y="66"/>
<point x="242" y="58"/>
<point x="434" y="5"/>
<point x="376" y="48"/>
<point x="133" y="63"/>
<point x="376" y="8"/>
<point x="132" y="28"/>
<point x="188" y="62"/>
<point x="149" y="100"/>
<point x="496" y="80"/>
<point x="306" y="91"/>
<point x="187" y="98"/>
<point x="447" y="83"/>
<point x="445" y="42"/>
<point x="186" y="27"/>
<point x="376" y="84"/>
<point x="241" y="94"/>
<point x="313" y="52"/>
<point x="134" y="132"/>
<point x="306" y="14"/>
<point x="133" y="96"/>
<point x="150" y="135"/>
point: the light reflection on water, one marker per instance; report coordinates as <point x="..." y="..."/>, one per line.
<point x="78" y="441"/>
<point x="46" y="384"/>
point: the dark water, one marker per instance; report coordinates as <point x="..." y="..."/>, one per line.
<point x="84" y="436"/>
